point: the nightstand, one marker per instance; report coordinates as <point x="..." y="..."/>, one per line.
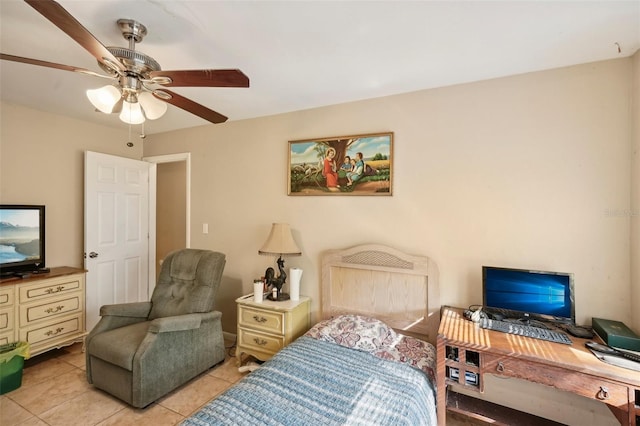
<point x="265" y="328"/>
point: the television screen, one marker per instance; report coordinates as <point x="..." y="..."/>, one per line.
<point x="21" y="238"/>
<point x="520" y="292"/>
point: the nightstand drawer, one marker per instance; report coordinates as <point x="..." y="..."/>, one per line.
<point x="263" y="320"/>
<point x="259" y="341"/>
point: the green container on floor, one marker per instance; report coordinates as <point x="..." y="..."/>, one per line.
<point x="12" y="358"/>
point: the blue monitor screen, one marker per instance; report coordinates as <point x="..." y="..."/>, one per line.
<point x="547" y="295"/>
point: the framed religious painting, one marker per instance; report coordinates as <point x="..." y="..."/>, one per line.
<point x="345" y="165"/>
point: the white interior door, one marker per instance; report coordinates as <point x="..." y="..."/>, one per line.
<point x="117" y="216"/>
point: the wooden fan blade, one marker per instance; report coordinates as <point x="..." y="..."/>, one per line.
<point x="189" y="105"/>
<point x="38" y="62"/>
<point x="204" y="78"/>
<point x="74" y="29"/>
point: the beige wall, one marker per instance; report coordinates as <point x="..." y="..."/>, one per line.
<point x="635" y="197"/>
<point x="42" y="162"/>
<point x="527" y="171"/>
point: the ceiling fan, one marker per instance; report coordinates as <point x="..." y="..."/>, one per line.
<point x="139" y="90"/>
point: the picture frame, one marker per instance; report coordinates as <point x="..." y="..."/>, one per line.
<point x="342" y="165"/>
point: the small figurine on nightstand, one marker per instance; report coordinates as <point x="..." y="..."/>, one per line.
<point x="278" y="282"/>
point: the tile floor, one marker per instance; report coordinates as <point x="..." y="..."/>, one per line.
<point x="55" y="392"/>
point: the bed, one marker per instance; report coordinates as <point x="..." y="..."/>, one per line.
<point x="369" y="360"/>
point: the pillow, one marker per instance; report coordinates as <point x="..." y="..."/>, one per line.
<point x="354" y="331"/>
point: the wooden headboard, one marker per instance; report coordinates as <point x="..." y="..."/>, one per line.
<point x="385" y="283"/>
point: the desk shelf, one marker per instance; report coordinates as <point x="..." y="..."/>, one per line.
<point x="463" y="367"/>
<point x="484" y="412"/>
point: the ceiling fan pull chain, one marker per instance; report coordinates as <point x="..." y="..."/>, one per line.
<point x="143" y="135"/>
<point x="130" y="144"/>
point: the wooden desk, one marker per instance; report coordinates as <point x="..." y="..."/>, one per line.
<point x="466" y="353"/>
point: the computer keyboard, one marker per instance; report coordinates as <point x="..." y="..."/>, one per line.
<point x="525" y="330"/>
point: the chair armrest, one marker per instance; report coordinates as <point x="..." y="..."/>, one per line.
<point x="120" y="315"/>
<point x="181" y="322"/>
<point x="134" y="310"/>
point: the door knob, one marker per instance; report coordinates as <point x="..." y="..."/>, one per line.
<point x="93" y="255"/>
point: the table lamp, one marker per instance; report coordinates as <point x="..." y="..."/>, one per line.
<point x="280" y="242"/>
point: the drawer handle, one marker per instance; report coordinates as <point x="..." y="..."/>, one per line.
<point x="259" y="319"/>
<point x="53" y="333"/>
<point x="260" y="342"/>
<point x="603" y="393"/>
<point x="52" y="310"/>
<point x="500" y="367"/>
<point x="51" y="290"/>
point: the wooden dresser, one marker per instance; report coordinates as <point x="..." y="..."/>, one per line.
<point x="266" y="327"/>
<point x="46" y="310"/>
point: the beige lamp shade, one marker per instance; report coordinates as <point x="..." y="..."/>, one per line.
<point x="104" y="98"/>
<point x="280" y="241"/>
<point x="153" y="108"/>
<point x="131" y="113"/>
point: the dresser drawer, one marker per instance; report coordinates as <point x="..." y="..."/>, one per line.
<point x="47" y="288"/>
<point x="559" y="378"/>
<point x="6" y="319"/>
<point x="61" y="329"/>
<point x="6" y="296"/>
<point x="6" y="338"/>
<point x="258" y="341"/>
<point x="50" y="308"/>
<point x="263" y="320"/>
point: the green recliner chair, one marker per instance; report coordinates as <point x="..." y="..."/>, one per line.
<point x="139" y="352"/>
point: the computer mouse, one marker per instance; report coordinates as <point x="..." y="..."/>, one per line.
<point x="577" y="331"/>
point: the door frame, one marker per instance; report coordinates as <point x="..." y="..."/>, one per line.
<point x="153" y="198"/>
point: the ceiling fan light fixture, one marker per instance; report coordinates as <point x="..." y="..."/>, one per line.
<point x="104" y="98"/>
<point x="153" y="108"/>
<point x="133" y="70"/>
<point x="131" y="113"/>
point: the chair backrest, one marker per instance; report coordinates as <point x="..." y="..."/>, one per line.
<point x="188" y="282"/>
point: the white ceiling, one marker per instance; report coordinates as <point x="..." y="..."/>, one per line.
<point x="305" y="54"/>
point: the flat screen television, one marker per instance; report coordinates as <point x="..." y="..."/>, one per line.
<point x="22" y="238"/>
<point x="523" y="293"/>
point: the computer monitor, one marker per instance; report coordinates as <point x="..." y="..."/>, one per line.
<point x="521" y="293"/>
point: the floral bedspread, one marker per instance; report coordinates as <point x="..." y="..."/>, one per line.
<point x="374" y="336"/>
